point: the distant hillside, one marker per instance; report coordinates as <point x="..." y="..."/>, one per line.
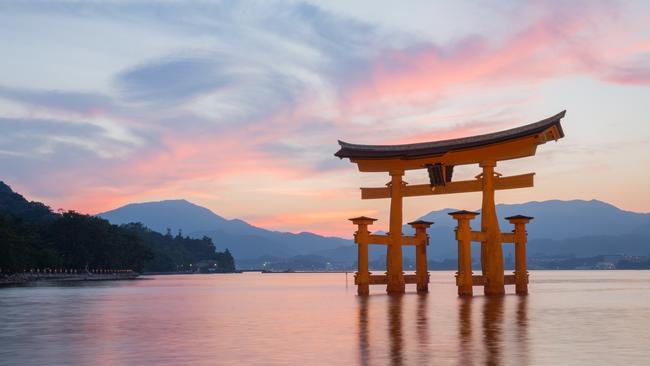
<point x="558" y="220"/>
<point x="576" y="227"/>
<point x="171" y="214"/>
<point x="589" y="246"/>
<point x="568" y="219"/>
<point x="643" y="230"/>
<point x="245" y="241"/>
<point x="582" y="228"/>
<point x="17" y="205"/>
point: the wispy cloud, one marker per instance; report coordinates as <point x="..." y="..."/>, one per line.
<point x="227" y="92"/>
<point x="172" y="80"/>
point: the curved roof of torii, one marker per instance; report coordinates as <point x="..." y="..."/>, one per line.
<point x="437" y="148"/>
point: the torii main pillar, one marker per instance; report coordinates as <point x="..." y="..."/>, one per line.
<point x="491" y="250"/>
<point x="394" y="267"/>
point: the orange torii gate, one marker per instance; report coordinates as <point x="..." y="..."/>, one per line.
<point x="440" y="158"/>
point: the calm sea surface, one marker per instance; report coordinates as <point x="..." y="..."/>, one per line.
<point x="570" y="318"/>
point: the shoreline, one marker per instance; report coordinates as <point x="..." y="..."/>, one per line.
<point x="23" y="278"/>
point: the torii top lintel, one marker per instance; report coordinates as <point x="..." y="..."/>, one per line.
<point x="514" y="143"/>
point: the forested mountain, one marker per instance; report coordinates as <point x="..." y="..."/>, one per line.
<point x="179" y="253"/>
<point x="18" y="206"/>
<point x="32" y="236"/>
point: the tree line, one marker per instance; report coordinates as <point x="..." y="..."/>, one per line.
<point x="32" y="236"/>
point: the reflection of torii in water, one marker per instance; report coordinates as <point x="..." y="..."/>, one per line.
<point x="440" y="158"/>
<point x="483" y="336"/>
<point x="492" y="337"/>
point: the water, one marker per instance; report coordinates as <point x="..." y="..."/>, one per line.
<point x="570" y="318"/>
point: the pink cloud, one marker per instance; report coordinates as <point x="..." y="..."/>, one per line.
<point x="179" y="157"/>
<point x="564" y="40"/>
<point x="631" y="75"/>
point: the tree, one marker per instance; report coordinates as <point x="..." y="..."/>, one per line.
<point x="32" y="236"/>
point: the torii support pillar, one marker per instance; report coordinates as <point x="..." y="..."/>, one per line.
<point x="521" y="272"/>
<point x="394" y="266"/>
<point x="422" y="241"/>
<point x="464" y="280"/>
<point x="362" y="238"/>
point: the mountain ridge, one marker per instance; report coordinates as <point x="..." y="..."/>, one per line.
<point x="559" y="223"/>
<point x="244" y="240"/>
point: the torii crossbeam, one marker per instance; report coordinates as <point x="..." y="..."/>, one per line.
<point x="440" y="158"/>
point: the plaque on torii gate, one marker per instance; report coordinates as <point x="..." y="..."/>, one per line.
<point x="439" y="159"/>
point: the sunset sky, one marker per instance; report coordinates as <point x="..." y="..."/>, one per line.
<point x="237" y="105"/>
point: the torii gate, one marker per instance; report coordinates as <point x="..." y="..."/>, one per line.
<point x="439" y="158"/>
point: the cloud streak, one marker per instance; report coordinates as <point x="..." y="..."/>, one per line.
<point x="172" y="80"/>
<point x="221" y="96"/>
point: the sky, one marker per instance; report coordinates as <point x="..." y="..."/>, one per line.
<point x="238" y="105"/>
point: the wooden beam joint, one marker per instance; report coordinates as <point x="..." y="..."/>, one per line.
<point x="478" y="236"/>
<point x="507" y="237"/>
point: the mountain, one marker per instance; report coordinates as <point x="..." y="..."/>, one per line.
<point x="567" y="219"/>
<point x="172" y="214"/>
<point x="643" y="230"/>
<point x="576" y="227"/>
<point x="245" y="241"/>
<point x="589" y="246"/>
<point x="559" y="220"/>
<point x="16" y="204"/>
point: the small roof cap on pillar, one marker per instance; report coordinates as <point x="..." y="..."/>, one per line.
<point x="463" y="214"/>
<point x="520" y="218"/>
<point x="362" y="220"/>
<point x="421" y="222"/>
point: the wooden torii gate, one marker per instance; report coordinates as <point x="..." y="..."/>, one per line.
<point x="439" y="158"/>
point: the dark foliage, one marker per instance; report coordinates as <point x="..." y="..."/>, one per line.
<point x="22" y="246"/>
<point x="32" y="236"/>
<point x="179" y="253"/>
<point x="85" y="241"/>
<point x="18" y="206"/>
